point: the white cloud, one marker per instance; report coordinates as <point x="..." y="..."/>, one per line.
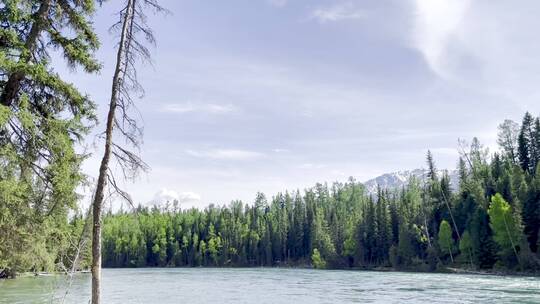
<point x="182" y="108"/>
<point x="186" y="199"/>
<point x="437" y="24"/>
<point x="225" y="154"/>
<point x="338" y="12"/>
<point x="165" y="195"/>
<point x="189" y="199"/>
<point x="485" y="47"/>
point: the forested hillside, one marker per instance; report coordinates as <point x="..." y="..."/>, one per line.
<point x="490" y="221"/>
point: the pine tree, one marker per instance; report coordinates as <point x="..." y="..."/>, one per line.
<point x="432" y="170"/>
<point x="465" y="246"/>
<point x="535" y="144"/>
<point x="463" y="173"/>
<point x="405" y="248"/>
<point x="531" y="212"/>
<point x="525" y="143"/>
<point x="42" y="118"/>
<point x="321" y="237"/>
<point x="484" y="248"/>
<point x="383" y="228"/>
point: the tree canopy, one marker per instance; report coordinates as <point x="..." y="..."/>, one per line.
<point x="42" y="118"/>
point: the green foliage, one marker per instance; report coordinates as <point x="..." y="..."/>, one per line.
<point x="466" y="246"/>
<point x="405" y="248"/>
<point x="317" y="261"/>
<point x="341" y="226"/>
<point x="42" y="117"/>
<point x="507" y="231"/>
<point x="526" y="144"/>
<point x="445" y="240"/>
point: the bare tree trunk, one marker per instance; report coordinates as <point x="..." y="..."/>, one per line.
<point x="455" y="228"/>
<point x="104" y="167"/>
<point x="14" y="80"/>
<point x="81" y="243"/>
<point x="511" y="240"/>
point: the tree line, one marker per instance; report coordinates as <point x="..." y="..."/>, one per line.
<point x="490" y="220"/>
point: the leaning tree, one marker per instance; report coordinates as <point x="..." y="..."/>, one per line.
<point x="133" y="32"/>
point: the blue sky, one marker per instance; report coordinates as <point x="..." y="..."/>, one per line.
<point x="270" y="95"/>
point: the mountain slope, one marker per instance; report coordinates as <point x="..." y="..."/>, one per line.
<point x="396" y="180"/>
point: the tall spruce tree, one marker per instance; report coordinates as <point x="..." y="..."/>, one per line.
<point x="531" y="212"/>
<point x="432" y="170"/>
<point x="525" y="143"/>
<point x="535" y="144"/>
<point x="42" y="117"/>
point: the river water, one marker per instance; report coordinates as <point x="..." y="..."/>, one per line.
<point x="272" y="285"/>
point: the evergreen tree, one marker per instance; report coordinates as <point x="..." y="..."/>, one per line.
<point x="383" y="228"/>
<point x="465" y="246"/>
<point x="531" y="212"/>
<point x="525" y="143"/>
<point x="42" y="118"/>
<point x="483" y="246"/>
<point x="432" y="170"/>
<point x="535" y="145"/>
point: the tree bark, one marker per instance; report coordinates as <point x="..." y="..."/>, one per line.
<point x="13" y="83"/>
<point x="511" y="240"/>
<point x="104" y="167"/>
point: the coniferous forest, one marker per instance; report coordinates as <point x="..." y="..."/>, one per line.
<point x="490" y="220"/>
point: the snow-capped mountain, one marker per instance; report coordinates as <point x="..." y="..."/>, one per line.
<point x="396" y="180"/>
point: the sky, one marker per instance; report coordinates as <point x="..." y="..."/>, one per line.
<point x="273" y="95"/>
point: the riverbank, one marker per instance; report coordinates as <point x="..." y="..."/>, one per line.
<point x="456" y="270"/>
<point x="445" y="270"/>
<point x="14" y="275"/>
<point x="493" y="272"/>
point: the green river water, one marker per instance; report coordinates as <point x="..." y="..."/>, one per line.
<point x="272" y="285"/>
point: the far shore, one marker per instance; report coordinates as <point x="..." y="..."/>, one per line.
<point x="446" y="270"/>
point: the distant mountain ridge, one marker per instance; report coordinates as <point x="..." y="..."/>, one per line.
<point x="398" y="179"/>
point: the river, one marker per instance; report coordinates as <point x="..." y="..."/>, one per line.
<point x="272" y="285"/>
